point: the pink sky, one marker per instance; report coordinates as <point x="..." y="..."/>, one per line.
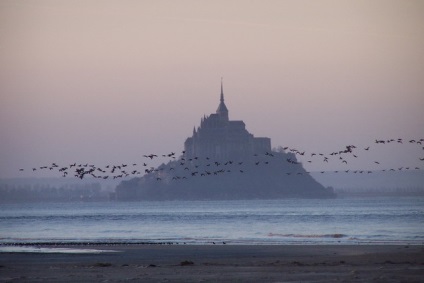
<point x="107" y="81"/>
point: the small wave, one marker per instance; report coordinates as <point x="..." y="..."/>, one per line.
<point x="117" y="231"/>
<point x="31" y="249"/>
<point x="334" y="236"/>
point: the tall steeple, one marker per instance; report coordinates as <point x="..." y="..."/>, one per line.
<point x="222" y="110"/>
<point x="222" y="92"/>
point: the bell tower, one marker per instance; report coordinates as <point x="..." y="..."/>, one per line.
<point x="222" y="110"/>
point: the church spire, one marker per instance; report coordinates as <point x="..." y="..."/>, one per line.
<point x="222" y="110"/>
<point x="222" y="92"/>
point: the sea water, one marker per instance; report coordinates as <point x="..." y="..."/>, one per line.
<point x="383" y="220"/>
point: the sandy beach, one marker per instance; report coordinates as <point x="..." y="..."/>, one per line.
<point x="217" y="263"/>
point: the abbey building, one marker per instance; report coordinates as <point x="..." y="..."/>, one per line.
<point x="219" y="138"/>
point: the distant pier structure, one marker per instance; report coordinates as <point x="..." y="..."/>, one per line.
<point x="219" y="138"/>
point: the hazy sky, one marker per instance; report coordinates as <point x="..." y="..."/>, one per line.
<point x="107" y="81"/>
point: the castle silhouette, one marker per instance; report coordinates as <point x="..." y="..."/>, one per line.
<point x="219" y="138"/>
<point x="222" y="160"/>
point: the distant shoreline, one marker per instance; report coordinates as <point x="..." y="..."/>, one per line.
<point x="379" y="184"/>
<point x="340" y="193"/>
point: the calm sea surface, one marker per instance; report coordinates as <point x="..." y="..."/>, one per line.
<point x="294" y="221"/>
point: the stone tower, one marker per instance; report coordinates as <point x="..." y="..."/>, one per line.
<point x="222" y="110"/>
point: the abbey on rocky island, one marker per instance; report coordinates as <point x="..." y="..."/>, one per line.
<point x="221" y="161"/>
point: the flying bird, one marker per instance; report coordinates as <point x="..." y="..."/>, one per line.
<point x="151" y="156"/>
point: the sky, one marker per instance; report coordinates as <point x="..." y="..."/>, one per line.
<point x="106" y="82"/>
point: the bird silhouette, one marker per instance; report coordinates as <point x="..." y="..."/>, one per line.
<point x="221" y="166"/>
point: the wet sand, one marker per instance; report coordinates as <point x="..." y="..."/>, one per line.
<point x="218" y="263"/>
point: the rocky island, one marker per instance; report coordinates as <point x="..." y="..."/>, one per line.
<point x="222" y="160"/>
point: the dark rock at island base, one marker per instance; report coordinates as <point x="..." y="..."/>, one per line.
<point x="274" y="176"/>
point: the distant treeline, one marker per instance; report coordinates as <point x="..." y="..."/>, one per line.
<point x="47" y="192"/>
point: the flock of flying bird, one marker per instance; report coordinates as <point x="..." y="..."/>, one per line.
<point x="196" y="166"/>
